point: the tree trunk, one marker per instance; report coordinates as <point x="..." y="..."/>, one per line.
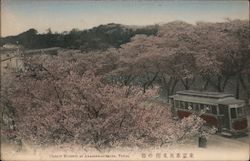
<point x="248" y="89"/>
<point x="237" y="88"/>
<point x="219" y="84"/>
<point x="164" y="87"/>
<point x="206" y="81"/>
<point x="168" y="87"/>
<point x="219" y="80"/>
<point x="149" y="83"/>
<point x="185" y="83"/>
<point x="144" y="87"/>
<point x="173" y="86"/>
<point x="224" y="84"/>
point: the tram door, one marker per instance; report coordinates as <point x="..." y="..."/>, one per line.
<point x="224" y="117"/>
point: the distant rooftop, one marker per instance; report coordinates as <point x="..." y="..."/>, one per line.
<point x="217" y="95"/>
<point x="43" y="50"/>
<point x="11" y="46"/>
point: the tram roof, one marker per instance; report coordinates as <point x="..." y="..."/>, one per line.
<point x="212" y="98"/>
<point x="204" y="94"/>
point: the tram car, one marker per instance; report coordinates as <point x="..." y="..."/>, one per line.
<point x="220" y="110"/>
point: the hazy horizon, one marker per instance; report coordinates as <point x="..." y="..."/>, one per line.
<point x="21" y="15"/>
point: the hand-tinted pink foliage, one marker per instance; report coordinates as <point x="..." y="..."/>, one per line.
<point x="63" y="98"/>
<point x="181" y="52"/>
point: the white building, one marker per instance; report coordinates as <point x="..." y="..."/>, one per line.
<point x="10" y="59"/>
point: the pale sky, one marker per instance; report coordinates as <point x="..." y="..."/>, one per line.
<point x="63" y="15"/>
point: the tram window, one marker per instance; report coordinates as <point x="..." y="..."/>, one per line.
<point x="196" y="107"/>
<point x="233" y="113"/>
<point x="176" y="103"/>
<point x="214" y="110"/>
<point x="190" y="106"/>
<point x="207" y="108"/>
<point x="240" y="111"/>
<point x="186" y="105"/>
<point x="179" y="104"/>
<point x="202" y="108"/>
<point x="244" y="110"/>
<point x="182" y="104"/>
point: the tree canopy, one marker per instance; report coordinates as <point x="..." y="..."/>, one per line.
<point x="98" y="38"/>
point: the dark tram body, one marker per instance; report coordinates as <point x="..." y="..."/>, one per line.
<point x="221" y="110"/>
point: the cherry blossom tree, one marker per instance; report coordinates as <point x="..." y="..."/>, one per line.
<point x="59" y="99"/>
<point x="223" y="52"/>
<point x="181" y="54"/>
<point x="166" y="57"/>
<point x="105" y="98"/>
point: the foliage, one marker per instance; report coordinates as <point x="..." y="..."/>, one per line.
<point x="98" y="38"/>
<point x="95" y="98"/>
<point x="57" y="99"/>
<point x="181" y="53"/>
